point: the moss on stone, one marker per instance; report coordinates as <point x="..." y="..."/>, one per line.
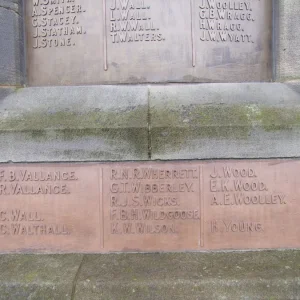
<point x="40" y="135"/>
<point x="202" y="116"/>
<point x="69" y="120"/>
<point x="276" y="119"/>
<point x="127" y="129"/>
<point x="174" y="127"/>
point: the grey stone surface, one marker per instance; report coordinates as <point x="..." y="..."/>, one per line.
<point x="110" y="123"/>
<point x="4" y="92"/>
<point x="287" y="39"/>
<point x="38" y="277"/>
<point x="12" y="61"/>
<point x="257" y="120"/>
<point x="267" y="275"/>
<point x="263" y="275"/>
<point x="74" y="124"/>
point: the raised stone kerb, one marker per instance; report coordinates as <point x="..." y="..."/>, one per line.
<point x="196" y="121"/>
<point x="74" y="124"/>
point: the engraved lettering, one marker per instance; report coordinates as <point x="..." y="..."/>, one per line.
<point x="142" y="198"/>
<point x="233" y="226"/>
<point x="131" y="22"/>
<point x="56" y="23"/>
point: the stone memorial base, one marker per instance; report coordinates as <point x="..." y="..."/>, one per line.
<point x="147" y="123"/>
<point x="96" y="201"/>
<point x="210" y="126"/>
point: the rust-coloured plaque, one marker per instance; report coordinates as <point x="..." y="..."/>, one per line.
<point x="150" y="206"/>
<point x="49" y="208"/>
<point x="72" y="42"/>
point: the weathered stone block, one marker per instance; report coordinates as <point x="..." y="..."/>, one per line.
<point x="38" y="277"/>
<point x="11" y="43"/>
<point x="287" y="40"/>
<point x="74" y="124"/>
<point x="224" y="121"/>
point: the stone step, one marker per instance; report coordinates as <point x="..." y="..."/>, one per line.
<point x="258" y="275"/>
<point x="115" y="123"/>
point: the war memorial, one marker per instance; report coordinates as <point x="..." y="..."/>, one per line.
<point x="150" y="149"/>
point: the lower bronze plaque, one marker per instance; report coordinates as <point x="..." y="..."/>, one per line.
<point x="151" y="206"/>
<point x="49" y="208"/>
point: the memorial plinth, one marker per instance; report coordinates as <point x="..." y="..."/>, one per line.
<point x="119" y="41"/>
<point x="113" y="88"/>
<point x="139" y="207"/>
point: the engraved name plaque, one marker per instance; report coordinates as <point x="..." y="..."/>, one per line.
<point x="71" y="42"/>
<point x="151" y="206"/>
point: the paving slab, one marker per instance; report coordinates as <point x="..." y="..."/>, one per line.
<point x="258" y="275"/>
<point x="38" y="277"/>
<point x="207" y="276"/>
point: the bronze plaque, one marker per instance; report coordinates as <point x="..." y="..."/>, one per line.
<point x="150" y="206"/>
<point x="73" y="42"/>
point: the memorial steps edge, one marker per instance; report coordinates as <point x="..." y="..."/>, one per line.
<point x="150" y="122"/>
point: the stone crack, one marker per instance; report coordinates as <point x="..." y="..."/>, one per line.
<point x="74" y="284"/>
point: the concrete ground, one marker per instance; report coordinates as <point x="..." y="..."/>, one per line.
<point x="265" y="275"/>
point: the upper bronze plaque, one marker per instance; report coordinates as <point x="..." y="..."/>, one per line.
<point x="74" y="42"/>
